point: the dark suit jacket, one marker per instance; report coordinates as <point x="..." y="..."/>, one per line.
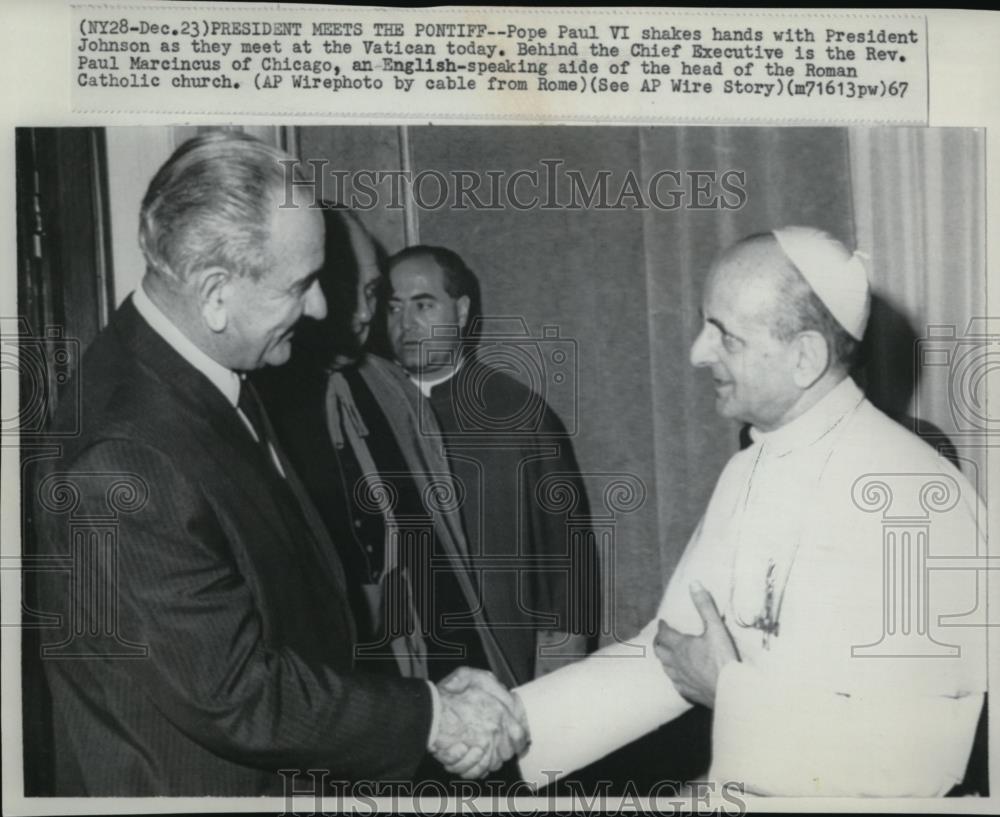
<point x="216" y="572"/>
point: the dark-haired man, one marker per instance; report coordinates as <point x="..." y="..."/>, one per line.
<point x="539" y="581"/>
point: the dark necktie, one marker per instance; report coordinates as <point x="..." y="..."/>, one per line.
<point x="249" y="403"/>
<point x="293" y="488"/>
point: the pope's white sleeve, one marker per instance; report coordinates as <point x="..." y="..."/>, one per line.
<point x="775" y="736"/>
<point x="584" y="711"/>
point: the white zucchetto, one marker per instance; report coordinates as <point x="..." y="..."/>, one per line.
<point x="837" y="276"/>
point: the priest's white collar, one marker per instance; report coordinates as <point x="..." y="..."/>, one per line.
<point x="225" y="380"/>
<point x="425" y="385"/>
<point x="808" y="427"/>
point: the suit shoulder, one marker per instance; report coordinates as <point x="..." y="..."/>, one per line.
<point x="148" y="412"/>
<point x="120" y="474"/>
<point x="116" y="451"/>
<point x="133" y="432"/>
<point x="122" y="402"/>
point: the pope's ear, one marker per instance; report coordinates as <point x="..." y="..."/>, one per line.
<point x="463" y="311"/>
<point x="812" y="358"/>
<point x="214" y="288"/>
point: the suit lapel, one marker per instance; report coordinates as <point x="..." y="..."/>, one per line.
<point x="227" y="441"/>
<point x="325" y="550"/>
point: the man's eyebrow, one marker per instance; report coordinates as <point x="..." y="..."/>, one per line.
<point x="415" y="297"/>
<point x="722" y="328"/>
<point x="309" y="280"/>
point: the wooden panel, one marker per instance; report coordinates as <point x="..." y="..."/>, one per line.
<point x="350" y="150"/>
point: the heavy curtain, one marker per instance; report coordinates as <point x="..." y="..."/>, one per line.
<point x="920" y="203"/>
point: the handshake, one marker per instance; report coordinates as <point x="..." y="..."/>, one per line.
<point x="481" y="724"/>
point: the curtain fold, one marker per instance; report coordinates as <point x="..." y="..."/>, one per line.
<point x="919" y="203"/>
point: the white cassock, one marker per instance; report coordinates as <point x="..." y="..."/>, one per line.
<point x="821" y="525"/>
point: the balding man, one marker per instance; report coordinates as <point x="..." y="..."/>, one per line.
<point x="206" y="644"/>
<point x="793" y="613"/>
<point x="504" y="442"/>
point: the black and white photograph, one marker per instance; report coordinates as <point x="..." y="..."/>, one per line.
<point x="506" y="461"/>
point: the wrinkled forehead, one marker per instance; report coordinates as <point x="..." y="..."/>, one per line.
<point x="746" y="278"/>
<point x="295" y="219"/>
<point x="297" y="242"/>
<point x="757" y="255"/>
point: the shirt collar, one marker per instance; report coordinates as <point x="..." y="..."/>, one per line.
<point x="225" y="380"/>
<point x="425" y="386"/>
<point x="814" y="423"/>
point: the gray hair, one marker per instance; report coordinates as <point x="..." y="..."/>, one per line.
<point x="806" y="312"/>
<point x="211" y="204"/>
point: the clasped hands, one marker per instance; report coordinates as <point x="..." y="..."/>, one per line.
<point x="481" y="724"/>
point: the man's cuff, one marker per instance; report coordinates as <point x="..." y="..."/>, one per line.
<point x="435" y="713"/>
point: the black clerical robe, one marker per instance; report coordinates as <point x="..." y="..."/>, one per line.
<point x="532" y="552"/>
